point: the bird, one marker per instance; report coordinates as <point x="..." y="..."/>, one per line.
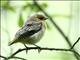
<point x="32" y="31"/>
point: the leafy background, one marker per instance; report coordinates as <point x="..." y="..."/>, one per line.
<point x="66" y="15"/>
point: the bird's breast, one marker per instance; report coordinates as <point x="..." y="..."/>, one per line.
<point x="37" y="36"/>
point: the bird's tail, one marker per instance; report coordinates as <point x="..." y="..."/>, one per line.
<point x="12" y="42"/>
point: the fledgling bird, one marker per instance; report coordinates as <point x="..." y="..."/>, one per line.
<point x="32" y="31"/>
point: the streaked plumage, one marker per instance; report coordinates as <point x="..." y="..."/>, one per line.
<point x="32" y="31"/>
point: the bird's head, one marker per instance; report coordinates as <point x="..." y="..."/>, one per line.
<point x="38" y="17"/>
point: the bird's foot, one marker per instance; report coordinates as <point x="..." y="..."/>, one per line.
<point x="39" y="48"/>
<point x="26" y="48"/>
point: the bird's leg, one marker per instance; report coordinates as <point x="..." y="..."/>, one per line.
<point x="26" y="48"/>
<point x="39" y="48"/>
<point x="36" y="45"/>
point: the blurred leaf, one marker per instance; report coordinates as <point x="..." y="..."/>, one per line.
<point x="6" y="6"/>
<point x="3" y="2"/>
<point x="26" y="6"/>
<point x="21" y="21"/>
<point x="44" y="5"/>
<point x="35" y="8"/>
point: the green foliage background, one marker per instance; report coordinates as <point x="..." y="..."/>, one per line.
<point x="65" y="13"/>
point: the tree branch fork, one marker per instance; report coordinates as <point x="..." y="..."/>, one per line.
<point x="40" y="49"/>
<point x="45" y="48"/>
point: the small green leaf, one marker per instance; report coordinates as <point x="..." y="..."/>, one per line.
<point x="10" y="8"/>
<point x="3" y="3"/>
<point x="6" y="6"/>
<point x="26" y="6"/>
<point x="20" y="21"/>
<point x="44" y="5"/>
<point x="35" y="8"/>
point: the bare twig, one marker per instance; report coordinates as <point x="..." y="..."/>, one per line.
<point x="53" y="22"/>
<point x="17" y="58"/>
<point x="76" y="53"/>
<point x="41" y="48"/>
<point x="75" y="43"/>
<point x="7" y="58"/>
<point x="3" y="57"/>
<point x="32" y="48"/>
<point x="57" y="27"/>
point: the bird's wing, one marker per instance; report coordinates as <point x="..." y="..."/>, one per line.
<point x="28" y="30"/>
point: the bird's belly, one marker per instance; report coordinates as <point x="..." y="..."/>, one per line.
<point x="34" y="38"/>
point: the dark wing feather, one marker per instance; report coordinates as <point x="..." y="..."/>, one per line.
<point x="28" y="30"/>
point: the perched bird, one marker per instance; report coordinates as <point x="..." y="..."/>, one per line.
<point x="32" y="31"/>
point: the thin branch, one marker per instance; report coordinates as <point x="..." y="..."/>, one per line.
<point x="53" y="22"/>
<point x="57" y="27"/>
<point x="3" y="57"/>
<point x="76" y="53"/>
<point x="75" y="43"/>
<point x="56" y="49"/>
<point x="17" y="58"/>
<point x="7" y="58"/>
<point x="19" y="50"/>
<point x="31" y="48"/>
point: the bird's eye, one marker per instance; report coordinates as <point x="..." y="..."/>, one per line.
<point x="29" y="24"/>
<point x="41" y="18"/>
